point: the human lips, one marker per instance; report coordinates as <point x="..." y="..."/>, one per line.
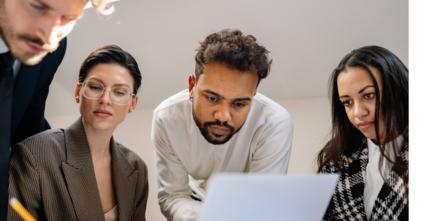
<point x="35" y="48"/>
<point x="219" y="130"/>
<point x="102" y="113"/>
<point x="38" y="46"/>
<point x="364" y="125"/>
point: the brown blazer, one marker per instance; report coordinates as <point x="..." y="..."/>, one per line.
<point x="52" y="175"/>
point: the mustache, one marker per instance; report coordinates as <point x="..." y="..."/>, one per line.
<point x="219" y="123"/>
<point x="37" y="41"/>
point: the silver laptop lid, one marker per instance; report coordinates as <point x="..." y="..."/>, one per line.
<point x="263" y="197"/>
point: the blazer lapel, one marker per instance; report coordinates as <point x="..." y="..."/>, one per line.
<point x="124" y="177"/>
<point x="79" y="174"/>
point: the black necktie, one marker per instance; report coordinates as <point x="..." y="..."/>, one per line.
<point x="6" y="98"/>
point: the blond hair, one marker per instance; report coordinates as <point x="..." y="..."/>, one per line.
<point x="103" y="7"/>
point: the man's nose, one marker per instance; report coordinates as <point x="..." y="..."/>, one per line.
<point x="50" y="32"/>
<point x="223" y="113"/>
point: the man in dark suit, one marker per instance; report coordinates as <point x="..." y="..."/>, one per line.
<point x="32" y="46"/>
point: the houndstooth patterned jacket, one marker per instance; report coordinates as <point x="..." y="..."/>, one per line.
<point x="347" y="203"/>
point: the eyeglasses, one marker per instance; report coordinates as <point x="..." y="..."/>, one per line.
<point x="94" y="90"/>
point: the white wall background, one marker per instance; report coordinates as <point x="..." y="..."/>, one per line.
<point x="307" y="38"/>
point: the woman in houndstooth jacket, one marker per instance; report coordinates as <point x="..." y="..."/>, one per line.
<point x="369" y="138"/>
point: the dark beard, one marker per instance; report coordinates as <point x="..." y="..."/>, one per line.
<point x="206" y="134"/>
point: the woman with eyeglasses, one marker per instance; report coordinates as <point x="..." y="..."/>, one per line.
<point x="82" y="173"/>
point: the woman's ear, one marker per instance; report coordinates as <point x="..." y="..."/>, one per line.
<point x="133" y="104"/>
<point x="77" y="92"/>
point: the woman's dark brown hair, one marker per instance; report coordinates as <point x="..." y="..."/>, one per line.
<point x="393" y="104"/>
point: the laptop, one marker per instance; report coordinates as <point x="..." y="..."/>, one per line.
<point x="264" y="197"/>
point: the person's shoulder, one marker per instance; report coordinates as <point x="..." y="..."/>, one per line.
<point x="268" y="108"/>
<point x="44" y="138"/>
<point x="132" y="158"/>
<point x="349" y="161"/>
<point x="177" y="103"/>
<point x="173" y="101"/>
<point x="44" y="145"/>
<point x="328" y="166"/>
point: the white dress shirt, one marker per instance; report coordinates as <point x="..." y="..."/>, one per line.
<point x="16" y="64"/>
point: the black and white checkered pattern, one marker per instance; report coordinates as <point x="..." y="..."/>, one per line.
<point x="348" y="200"/>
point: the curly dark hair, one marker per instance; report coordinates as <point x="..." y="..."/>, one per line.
<point x="234" y="49"/>
<point x="111" y="54"/>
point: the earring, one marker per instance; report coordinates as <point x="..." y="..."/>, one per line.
<point x="77" y="99"/>
<point x="191" y="98"/>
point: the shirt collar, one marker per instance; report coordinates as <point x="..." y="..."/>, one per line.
<point x="3" y="46"/>
<point x="372" y="147"/>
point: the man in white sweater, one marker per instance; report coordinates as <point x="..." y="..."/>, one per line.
<point x="220" y="124"/>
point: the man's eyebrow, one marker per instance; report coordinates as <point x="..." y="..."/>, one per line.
<point x="212" y="92"/>
<point x="222" y="97"/>
<point x="243" y="99"/>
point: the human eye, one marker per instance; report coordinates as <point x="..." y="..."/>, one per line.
<point x="120" y="92"/>
<point x="346" y="103"/>
<point x="370" y="96"/>
<point x="95" y="87"/>
<point x="38" y="7"/>
<point x="212" y="98"/>
<point x="239" y="104"/>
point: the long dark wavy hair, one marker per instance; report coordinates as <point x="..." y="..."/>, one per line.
<point x="392" y="104"/>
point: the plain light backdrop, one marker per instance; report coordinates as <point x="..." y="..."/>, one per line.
<point x="306" y="38"/>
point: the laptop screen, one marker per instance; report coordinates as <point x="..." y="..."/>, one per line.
<point x="256" y="197"/>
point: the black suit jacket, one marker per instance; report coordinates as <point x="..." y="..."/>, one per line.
<point x="30" y="92"/>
